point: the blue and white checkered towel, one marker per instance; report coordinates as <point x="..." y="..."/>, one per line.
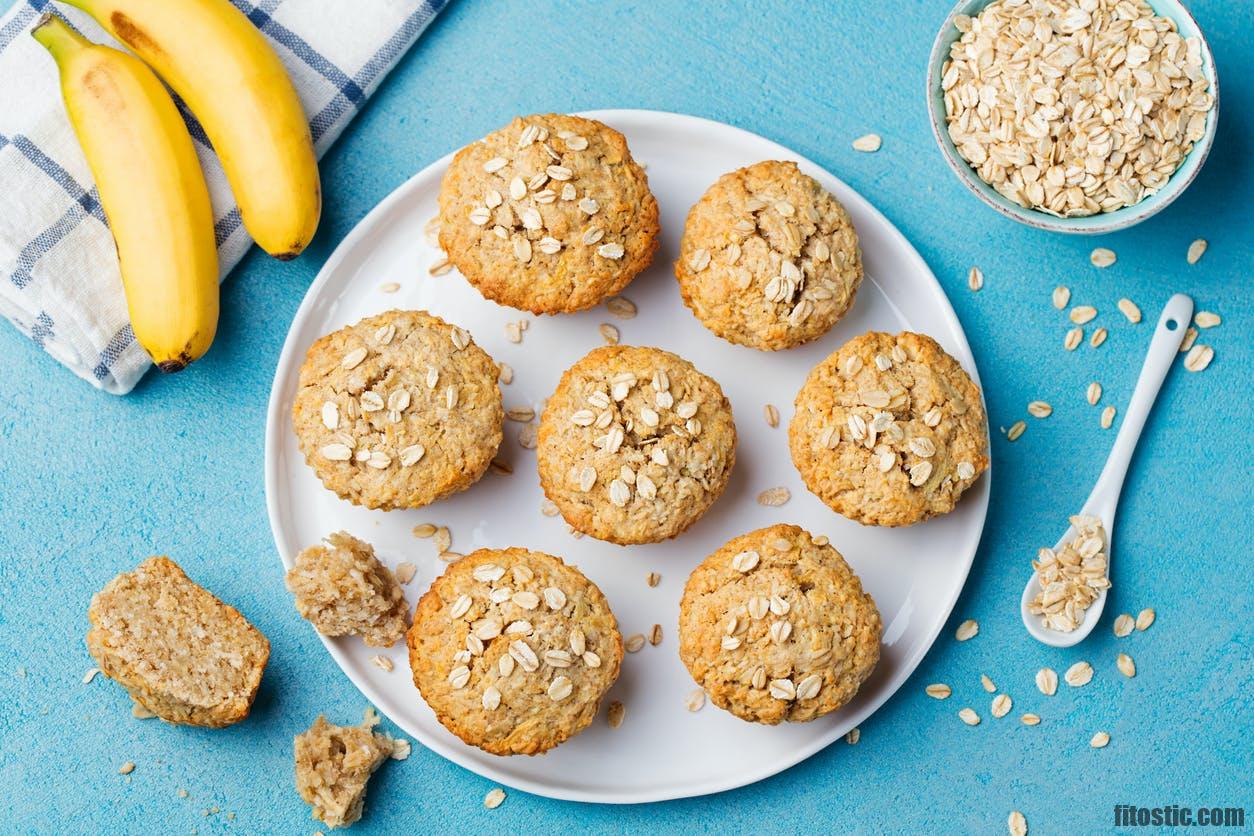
<point x="59" y="279"/>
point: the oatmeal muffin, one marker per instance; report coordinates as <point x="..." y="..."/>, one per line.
<point x="334" y="764"/>
<point x="549" y="214"/>
<point x="343" y="590"/>
<point x="889" y="430"/>
<point x="513" y="650"/>
<point x="180" y="652"/>
<point x="398" y="410"/>
<point x="769" y="259"/>
<point x="775" y="626"/>
<point x="635" y="444"/>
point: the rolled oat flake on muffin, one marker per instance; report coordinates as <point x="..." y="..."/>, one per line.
<point x="549" y="214"/>
<point x="635" y="444"/>
<point x="786" y="634"/>
<point x="769" y="259"/>
<point x="398" y="410"/>
<point x="889" y="430"/>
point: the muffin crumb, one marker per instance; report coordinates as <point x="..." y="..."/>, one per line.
<point x="334" y="764"/>
<point x="343" y="590"/>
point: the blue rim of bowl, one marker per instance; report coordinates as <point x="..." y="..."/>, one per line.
<point x="1091" y="224"/>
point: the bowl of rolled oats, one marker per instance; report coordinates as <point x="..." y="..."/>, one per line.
<point x="1080" y="116"/>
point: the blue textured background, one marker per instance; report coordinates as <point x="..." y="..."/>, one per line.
<point x="90" y="483"/>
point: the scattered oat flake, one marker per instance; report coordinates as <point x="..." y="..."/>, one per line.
<point x="1199" y="357"/>
<point x="868" y="143"/>
<point x="608" y="333"/>
<point x="1093" y="393"/>
<point x="389" y="287"/>
<point x="1190" y="336"/>
<point x="695" y="700"/>
<point x="975" y="279"/>
<point x="1081" y="673"/>
<point x="1016" y="430"/>
<point x="621" y="307"/>
<point x="1017" y="824"/>
<point x="405" y="572"/>
<point x="494" y="798"/>
<point x="1082" y="314"/>
<point x="854" y="735"/>
<point x="634" y="642"/>
<point x="1099" y="740"/>
<point x="182" y="793"/>
<point x="1061" y="296"/>
<point x="1129" y="309"/>
<point x="126" y="768"/>
<point x="90" y="675"/>
<point x="401" y="749"/>
<point x="424" y="530"/>
<point x="507" y="373"/>
<point x="1145" y="618"/>
<point x="1001" y="705"/>
<point x="1206" y="319"/>
<point x="774" y="497"/>
<point x="771" y="413"/>
<point x="1040" y="409"/>
<point x="614" y="714"/>
<point x="1030" y="719"/>
<point x="1196" y="250"/>
<point x="440" y="266"/>
<point x="653" y="579"/>
<point x="1073" y="338"/>
<point x="1124" y="625"/>
<point x="1099" y="337"/>
<point x="968" y="716"/>
<point x="1047" y="681"/>
<point x="938" y="691"/>
<point x="1102" y="257"/>
<point x="1108" y="417"/>
<point x="968" y="629"/>
<point x="655" y="635"/>
<point x="1125" y="665"/>
<point x="987" y="684"/>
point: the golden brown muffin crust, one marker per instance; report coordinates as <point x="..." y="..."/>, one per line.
<point x="549" y="214"/>
<point x="635" y="444"/>
<point x="769" y="259"/>
<point x="889" y="430"/>
<point x="776" y="627"/>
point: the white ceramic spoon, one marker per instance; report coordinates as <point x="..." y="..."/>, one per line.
<point x="1164" y="346"/>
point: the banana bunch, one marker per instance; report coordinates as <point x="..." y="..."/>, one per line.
<point x="137" y="146"/>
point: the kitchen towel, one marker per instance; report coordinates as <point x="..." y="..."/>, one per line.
<point x="59" y="280"/>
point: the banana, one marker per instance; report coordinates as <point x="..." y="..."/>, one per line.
<point x="151" y="188"/>
<point x="224" y="69"/>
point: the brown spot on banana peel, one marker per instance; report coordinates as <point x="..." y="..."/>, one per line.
<point x="172" y="366"/>
<point x="129" y="33"/>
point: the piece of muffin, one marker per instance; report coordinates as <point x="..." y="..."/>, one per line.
<point x="180" y="652"/>
<point x="549" y="214"/>
<point x="513" y="650"/>
<point x="776" y="627"/>
<point x="635" y="444"/>
<point x="398" y="410"/>
<point x="334" y="764"/>
<point x="343" y="590"/>
<point x="769" y="259"/>
<point x="889" y="430"/>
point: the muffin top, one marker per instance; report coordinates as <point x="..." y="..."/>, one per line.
<point x="889" y="430"/>
<point x="635" y="444"/>
<point x="769" y="259"/>
<point x="513" y="650"/>
<point x="398" y="410"/>
<point x="775" y="626"/>
<point x="549" y="214"/>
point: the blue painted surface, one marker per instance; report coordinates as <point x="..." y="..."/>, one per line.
<point x="90" y="483"/>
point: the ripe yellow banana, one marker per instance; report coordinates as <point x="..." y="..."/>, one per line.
<point x="151" y="188"/>
<point x="224" y="69"/>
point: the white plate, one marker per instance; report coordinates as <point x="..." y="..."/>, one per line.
<point x="661" y="750"/>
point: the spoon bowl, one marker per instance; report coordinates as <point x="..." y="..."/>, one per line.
<point x="1102" y="502"/>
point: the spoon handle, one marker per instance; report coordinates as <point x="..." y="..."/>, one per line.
<point x="1163" y="348"/>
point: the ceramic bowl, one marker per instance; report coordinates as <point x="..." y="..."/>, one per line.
<point x="1093" y="224"/>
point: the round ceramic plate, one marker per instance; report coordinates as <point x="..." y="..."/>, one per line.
<point x="661" y="750"/>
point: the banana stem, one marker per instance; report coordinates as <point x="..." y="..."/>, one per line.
<point x="57" y="36"/>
